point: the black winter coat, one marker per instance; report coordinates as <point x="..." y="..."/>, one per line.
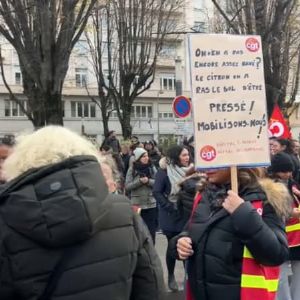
<point x="218" y="241"/>
<point x="170" y="220"/>
<point x="64" y="235"/>
<point x="112" y="142"/>
<point x="154" y="157"/>
<point x="186" y="197"/>
<point x="296" y="164"/>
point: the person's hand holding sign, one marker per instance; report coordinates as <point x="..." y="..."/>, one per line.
<point x="232" y="202"/>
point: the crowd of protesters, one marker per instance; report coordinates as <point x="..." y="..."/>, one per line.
<point x="285" y="168"/>
<point x="79" y="222"/>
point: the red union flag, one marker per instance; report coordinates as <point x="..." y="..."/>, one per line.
<point x="277" y="125"/>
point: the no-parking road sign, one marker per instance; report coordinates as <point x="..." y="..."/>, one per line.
<point x="181" y="106"/>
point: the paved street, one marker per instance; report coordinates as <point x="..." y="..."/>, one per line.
<point x="161" y="246"/>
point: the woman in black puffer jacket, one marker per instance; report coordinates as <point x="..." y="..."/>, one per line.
<point x="63" y="236"/>
<point x="223" y="224"/>
<point x="189" y="187"/>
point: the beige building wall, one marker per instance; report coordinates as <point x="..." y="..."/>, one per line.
<point x="152" y="112"/>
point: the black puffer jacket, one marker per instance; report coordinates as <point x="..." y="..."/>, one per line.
<point x="219" y="239"/>
<point x="63" y="234"/>
<point x="186" y="196"/>
<point x="154" y="157"/>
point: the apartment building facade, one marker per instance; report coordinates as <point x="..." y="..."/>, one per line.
<point x="151" y="116"/>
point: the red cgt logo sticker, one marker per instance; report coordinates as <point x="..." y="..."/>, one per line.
<point x="208" y="153"/>
<point x="252" y="44"/>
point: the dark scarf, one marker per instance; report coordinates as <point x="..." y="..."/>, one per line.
<point x="142" y="170"/>
<point x="216" y="195"/>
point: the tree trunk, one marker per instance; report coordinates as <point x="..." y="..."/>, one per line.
<point x="271" y="96"/>
<point x="259" y="15"/>
<point x="46" y="108"/>
<point x="38" y="119"/>
<point x="125" y="124"/>
<point x="105" y="119"/>
<point x="54" y="111"/>
<point x="43" y="34"/>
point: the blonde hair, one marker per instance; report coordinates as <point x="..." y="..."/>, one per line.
<point x="48" y="145"/>
<point x="110" y="162"/>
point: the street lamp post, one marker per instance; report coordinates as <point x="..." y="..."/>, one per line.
<point x="158" y="118"/>
<point x="82" y="126"/>
<point x="178" y="81"/>
<point x="178" y="76"/>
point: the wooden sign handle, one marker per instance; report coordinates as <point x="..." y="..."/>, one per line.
<point x="234" y="179"/>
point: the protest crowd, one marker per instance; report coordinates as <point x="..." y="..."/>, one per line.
<point x="80" y="221"/>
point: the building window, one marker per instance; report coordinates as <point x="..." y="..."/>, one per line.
<point x="198" y="4"/>
<point x="168" y="50"/>
<point x="81" y="77"/>
<point x="199" y="26"/>
<point x="18" y="75"/>
<point x="167" y="82"/>
<point x="229" y="7"/>
<point x="18" y="78"/>
<point x="81" y="47"/>
<point x="12" y="109"/>
<point x="149" y="111"/>
<point x="83" y="109"/>
<point x="166" y="115"/>
<point x="106" y="77"/>
<point x="112" y="110"/>
<point x="137" y="111"/>
<point x="141" y="111"/>
<point x="93" y="110"/>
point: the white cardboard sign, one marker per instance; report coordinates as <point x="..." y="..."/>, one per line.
<point x="229" y="101"/>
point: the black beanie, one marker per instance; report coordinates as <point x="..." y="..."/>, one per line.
<point x="281" y="162"/>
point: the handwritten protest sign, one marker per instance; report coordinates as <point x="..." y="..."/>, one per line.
<point x="229" y="102"/>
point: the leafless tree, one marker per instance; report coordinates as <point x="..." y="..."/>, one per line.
<point x="275" y="21"/>
<point x="132" y="35"/>
<point x="99" y="35"/>
<point x="43" y="33"/>
<point x="293" y="62"/>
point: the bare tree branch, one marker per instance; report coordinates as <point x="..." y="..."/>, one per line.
<point x="11" y="94"/>
<point x="133" y="36"/>
<point x="43" y="34"/>
<point x="273" y="20"/>
<point x="229" y="23"/>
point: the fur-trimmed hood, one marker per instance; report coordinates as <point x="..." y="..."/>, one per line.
<point x="46" y="146"/>
<point x="278" y="196"/>
<point x="163" y="163"/>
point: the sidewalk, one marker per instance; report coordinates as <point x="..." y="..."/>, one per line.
<point x="161" y="247"/>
